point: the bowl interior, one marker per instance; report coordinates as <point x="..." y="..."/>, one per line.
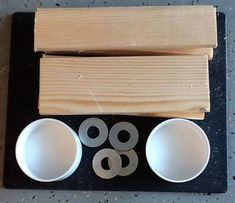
<point x="177" y="150"/>
<point x="46" y="149"/>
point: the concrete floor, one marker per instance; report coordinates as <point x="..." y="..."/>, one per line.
<point x="7" y="7"/>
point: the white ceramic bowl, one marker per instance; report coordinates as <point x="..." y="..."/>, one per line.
<point x="48" y="150"/>
<point x="177" y="150"/>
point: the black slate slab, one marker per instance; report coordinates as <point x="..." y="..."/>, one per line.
<point x="22" y="109"/>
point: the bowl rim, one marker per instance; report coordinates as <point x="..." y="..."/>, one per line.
<point x="202" y="133"/>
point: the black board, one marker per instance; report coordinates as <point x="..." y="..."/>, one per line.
<point x="22" y="109"/>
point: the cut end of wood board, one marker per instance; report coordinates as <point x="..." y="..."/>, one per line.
<point x="126" y="29"/>
<point x="114" y="85"/>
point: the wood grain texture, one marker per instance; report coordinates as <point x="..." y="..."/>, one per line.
<point x="140" y="29"/>
<point x="114" y="85"/>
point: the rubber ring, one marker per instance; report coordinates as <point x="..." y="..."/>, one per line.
<point x="93" y="122"/>
<point x="133" y="162"/>
<point x="123" y="146"/>
<point x="114" y="158"/>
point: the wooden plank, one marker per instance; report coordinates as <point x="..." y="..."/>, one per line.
<point x="114" y="85"/>
<point x="126" y="29"/>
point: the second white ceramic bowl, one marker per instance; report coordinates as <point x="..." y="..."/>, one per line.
<point x="177" y="150"/>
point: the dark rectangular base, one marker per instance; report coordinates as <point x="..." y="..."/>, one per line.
<point x="22" y="109"/>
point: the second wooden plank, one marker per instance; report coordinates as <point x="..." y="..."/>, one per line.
<point x="114" y="85"/>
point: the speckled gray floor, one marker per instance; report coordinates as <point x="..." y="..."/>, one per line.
<point x="7" y="7"/>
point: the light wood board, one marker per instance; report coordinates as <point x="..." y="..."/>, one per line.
<point x="114" y="85"/>
<point x="163" y="29"/>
